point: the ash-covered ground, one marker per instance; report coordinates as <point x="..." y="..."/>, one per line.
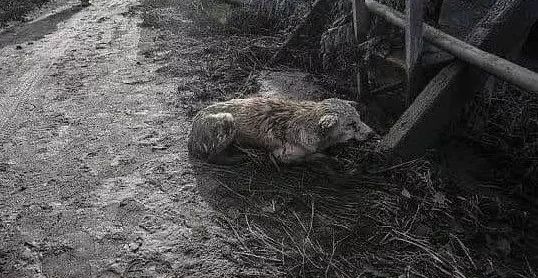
<point x="95" y="179"/>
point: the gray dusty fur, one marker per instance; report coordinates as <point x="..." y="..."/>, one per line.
<point x="291" y="130"/>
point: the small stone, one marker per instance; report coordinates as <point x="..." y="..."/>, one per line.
<point x="406" y="193"/>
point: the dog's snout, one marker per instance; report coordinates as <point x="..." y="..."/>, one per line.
<point x="366" y="133"/>
<point x="372" y="135"/>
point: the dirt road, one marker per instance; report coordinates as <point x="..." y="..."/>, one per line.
<point x="94" y="178"/>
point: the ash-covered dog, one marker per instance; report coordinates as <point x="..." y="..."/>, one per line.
<point x="293" y="131"/>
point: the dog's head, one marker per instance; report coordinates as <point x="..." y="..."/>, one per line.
<point x="341" y="122"/>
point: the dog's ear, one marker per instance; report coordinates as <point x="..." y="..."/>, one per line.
<point x="328" y="121"/>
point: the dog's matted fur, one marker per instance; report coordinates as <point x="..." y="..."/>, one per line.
<point x="291" y="130"/>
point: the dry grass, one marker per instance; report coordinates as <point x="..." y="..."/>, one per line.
<point x="366" y="217"/>
<point x="504" y="123"/>
<point x="220" y="78"/>
<point x="209" y="75"/>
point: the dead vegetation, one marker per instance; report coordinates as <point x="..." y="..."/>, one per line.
<point x="11" y="10"/>
<point x="364" y="214"/>
<point x="210" y="75"/>
<point x="374" y="217"/>
<point x="503" y="121"/>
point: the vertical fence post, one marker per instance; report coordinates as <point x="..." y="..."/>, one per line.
<point x="361" y="25"/>
<point x="413" y="46"/>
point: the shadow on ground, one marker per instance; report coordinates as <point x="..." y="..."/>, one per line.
<point x="369" y="215"/>
<point x="37" y="29"/>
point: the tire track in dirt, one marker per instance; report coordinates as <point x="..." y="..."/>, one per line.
<point x="28" y="84"/>
<point x="99" y="182"/>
